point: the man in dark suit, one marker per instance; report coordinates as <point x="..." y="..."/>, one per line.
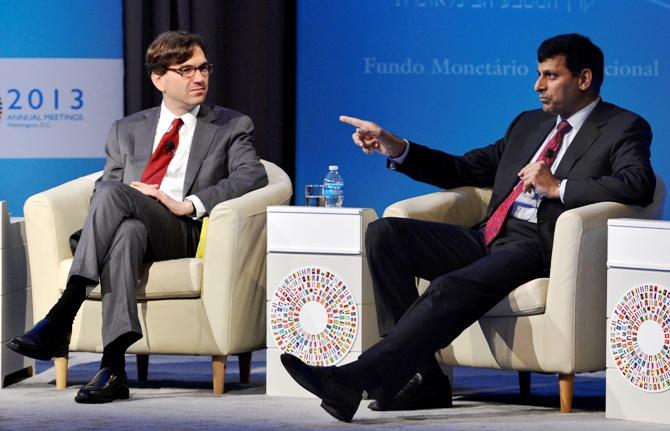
<point x="575" y="151"/>
<point x="166" y="168"/>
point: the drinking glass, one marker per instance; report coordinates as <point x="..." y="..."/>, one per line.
<point x="314" y="195"/>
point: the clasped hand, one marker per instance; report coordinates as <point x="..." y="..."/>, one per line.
<point x="538" y="176"/>
<point x="178" y="208"/>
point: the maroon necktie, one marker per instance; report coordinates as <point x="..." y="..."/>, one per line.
<point x="548" y="155"/>
<point x="160" y="159"/>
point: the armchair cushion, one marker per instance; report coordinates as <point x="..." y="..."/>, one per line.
<point x="526" y="300"/>
<point x="167" y="279"/>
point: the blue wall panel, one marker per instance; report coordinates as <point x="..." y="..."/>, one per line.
<point x="452" y="74"/>
<point x="61" y="86"/>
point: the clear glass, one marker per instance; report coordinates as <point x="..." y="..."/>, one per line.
<point x="314" y="195"/>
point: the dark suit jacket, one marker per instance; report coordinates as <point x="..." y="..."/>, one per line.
<point x="222" y="162"/>
<point x="608" y="160"/>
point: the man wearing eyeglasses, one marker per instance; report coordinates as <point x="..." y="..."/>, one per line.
<point x="166" y="168"/>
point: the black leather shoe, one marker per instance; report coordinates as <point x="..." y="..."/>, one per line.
<point x="43" y="342"/>
<point x="338" y="400"/>
<point x="418" y="394"/>
<point x="105" y="387"/>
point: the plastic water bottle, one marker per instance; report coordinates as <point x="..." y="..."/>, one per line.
<point x="333" y="187"/>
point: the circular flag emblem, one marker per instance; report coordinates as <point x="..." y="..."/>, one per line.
<point x="313" y="316"/>
<point x="639" y="337"/>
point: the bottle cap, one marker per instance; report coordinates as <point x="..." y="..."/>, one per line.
<point x="333" y="168"/>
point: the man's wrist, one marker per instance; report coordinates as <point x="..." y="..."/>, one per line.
<point x="402" y="156"/>
<point x="190" y="208"/>
<point x="555" y="190"/>
<point x="402" y="147"/>
<point x="199" y="210"/>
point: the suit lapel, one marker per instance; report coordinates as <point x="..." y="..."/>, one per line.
<point x="587" y="135"/>
<point x="205" y="130"/>
<point x="144" y="141"/>
<point x="533" y="139"/>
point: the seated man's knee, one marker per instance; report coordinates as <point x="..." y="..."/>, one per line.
<point x="132" y="230"/>
<point x="378" y="232"/>
<point x="106" y="190"/>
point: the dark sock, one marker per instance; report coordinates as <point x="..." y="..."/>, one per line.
<point x="430" y="369"/>
<point x="63" y="313"/>
<point x="114" y="353"/>
<point x="359" y="375"/>
<point x="113" y="359"/>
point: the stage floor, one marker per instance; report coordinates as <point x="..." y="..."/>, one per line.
<point x="177" y="396"/>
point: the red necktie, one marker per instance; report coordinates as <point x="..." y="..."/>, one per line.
<point x="160" y="159"/>
<point x="548" y="154"/>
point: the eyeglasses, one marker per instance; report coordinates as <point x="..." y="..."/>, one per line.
<point x="205" y="69"/>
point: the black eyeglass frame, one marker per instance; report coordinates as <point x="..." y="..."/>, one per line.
<point x="205" y="69"/>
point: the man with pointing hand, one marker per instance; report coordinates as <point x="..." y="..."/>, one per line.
<point x="576" y="150"/>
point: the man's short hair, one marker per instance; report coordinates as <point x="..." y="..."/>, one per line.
<point x="580" y="53"/>
<point x="171" y="47"/>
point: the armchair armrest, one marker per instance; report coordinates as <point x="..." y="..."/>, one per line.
<point x="51" y="217"/>
<point x="577" y="292"/>
<point x="465" y="206"/>
<point x="234" y="280"/>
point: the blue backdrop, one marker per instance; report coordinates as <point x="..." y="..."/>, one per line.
<point x="447" y="73"/>
<point x="61" y="86"/>
<point x="452" y="74"/>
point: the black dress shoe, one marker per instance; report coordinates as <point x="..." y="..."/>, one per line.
<point x="418" y="394"/>
<point x="338" y="400"/>
<point x="105" y="387"/>
<point x="43" y="342"/>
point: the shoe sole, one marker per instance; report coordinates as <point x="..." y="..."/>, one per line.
<point x="29" y="351"/>
<point x="91" y="398"/>
<point x="337" y="413"/>
<point x="428" y="406"/>
<point x="326" y="403"/>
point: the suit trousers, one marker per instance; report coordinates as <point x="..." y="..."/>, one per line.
<point x="124" y="229"/>
<point x="467" y="279"/>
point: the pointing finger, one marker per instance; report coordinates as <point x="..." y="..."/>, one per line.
<point x="356" y="122"/>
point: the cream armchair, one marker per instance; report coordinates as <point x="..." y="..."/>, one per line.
<point x="213" y="304"/>
<point x="550" y="325"/>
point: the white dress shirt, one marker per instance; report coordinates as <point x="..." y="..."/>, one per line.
<point x="173" y="182"/>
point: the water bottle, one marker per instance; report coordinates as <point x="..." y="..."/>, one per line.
<point x="333" y="187"/>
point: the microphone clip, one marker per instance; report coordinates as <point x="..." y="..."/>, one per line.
<point x="170" y="148"/>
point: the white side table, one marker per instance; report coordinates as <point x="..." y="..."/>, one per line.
<point x="320" y="303"/>
<point x="638" y="320"/>
<point x="15" y="296"/>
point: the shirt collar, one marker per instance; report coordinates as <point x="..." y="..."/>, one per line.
<point x="166" y="117"/>
<point x="578" y="119"/>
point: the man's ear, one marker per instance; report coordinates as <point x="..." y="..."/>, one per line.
<point x="158" y="81"/>
<point x="585" y="79"/>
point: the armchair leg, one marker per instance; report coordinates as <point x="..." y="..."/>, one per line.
<point x="60" y="364"/>
<point x="218" y="373"/>
<point x="566" y="384"/>
<point x="524" y="384"/>
<point x="142" y="367"/>
<point x="244" y="360"/>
